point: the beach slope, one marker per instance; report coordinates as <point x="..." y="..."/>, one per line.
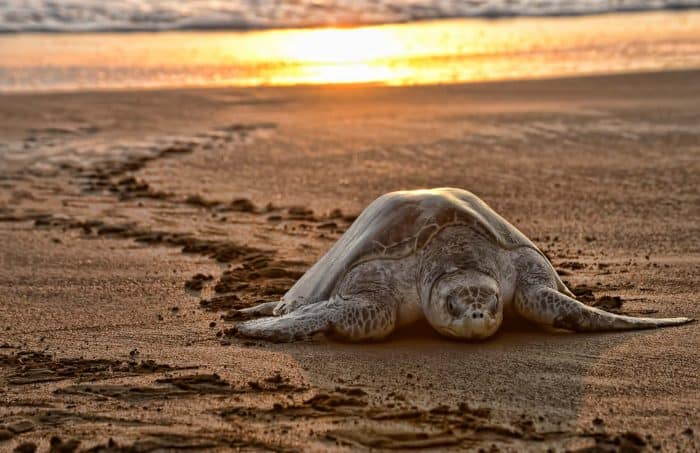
<point x="134" y="222"/>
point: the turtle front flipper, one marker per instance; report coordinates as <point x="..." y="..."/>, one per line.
<point x="284" y="329"/>
<point x="354" y="319"/>
<point x="544" y="305"/>
<point x="262" y="309"/>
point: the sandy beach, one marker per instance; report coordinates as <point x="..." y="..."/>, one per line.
<point x="133" y="222"/>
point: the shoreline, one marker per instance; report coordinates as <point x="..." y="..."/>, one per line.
<point x="506" y="83"/>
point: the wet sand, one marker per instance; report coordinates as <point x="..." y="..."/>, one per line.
<point x="132" y="223"/>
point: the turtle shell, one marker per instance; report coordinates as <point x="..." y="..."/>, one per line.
<point x="397" y="225"/>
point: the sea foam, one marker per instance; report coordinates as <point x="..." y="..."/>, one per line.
<point x="138" y="15"/>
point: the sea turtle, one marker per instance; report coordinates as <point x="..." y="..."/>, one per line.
<point x="441" y="253"/>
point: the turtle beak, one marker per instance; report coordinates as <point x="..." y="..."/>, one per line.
<point x="469" y="328"/>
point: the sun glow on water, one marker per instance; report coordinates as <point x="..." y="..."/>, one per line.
<point x="332" y="55"/>
<point x="343" y="45"/>
<point x="402" y="54"/>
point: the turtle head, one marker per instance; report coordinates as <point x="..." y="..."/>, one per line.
<point x="465" y="305"/>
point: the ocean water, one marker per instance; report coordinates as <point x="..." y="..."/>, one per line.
<point x="413" y="53"/>
<point x="142" y="15"/>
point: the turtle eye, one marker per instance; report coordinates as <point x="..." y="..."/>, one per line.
<point x="452" y="305"/>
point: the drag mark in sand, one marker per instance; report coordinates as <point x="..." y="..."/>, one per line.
<point x="30" y="367"/>
<point x="117" y="177"/>
<point x="90" y="383"/>
<point x="396" y="424"/>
